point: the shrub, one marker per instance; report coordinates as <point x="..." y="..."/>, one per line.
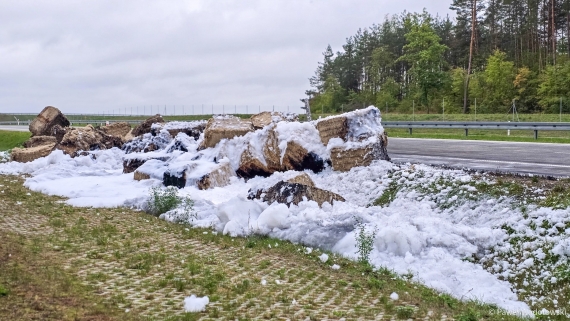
<point x="364" y="242"/>
<point x="162" y="200"/>
<point x="404" y="312"/>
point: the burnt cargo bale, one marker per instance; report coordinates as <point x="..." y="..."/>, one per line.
<point x="293" y="193"/>
<point x="36" y="141"/>
<point x="145" y="126"/>
<point x="224" y="128"/>
<point x="219" y="176"/>
<point x="302" y="179"/>
<point x="120" y="129"/>
<point x="343" y="159"/>
<point x="49" y="117"/>
<point x="24" y="155"/>
<point x="251" y="166"/>
<point x="297" y="158"/>
<point x="332" y="127"/>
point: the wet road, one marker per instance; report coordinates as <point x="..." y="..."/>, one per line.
<point x="14" y="128"/>
<point x="507" y="157"/>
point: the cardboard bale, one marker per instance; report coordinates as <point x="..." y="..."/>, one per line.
<point x="332" y="127"/>
<point x="131" y="164"/>
<point x="294" y="193"/>
<point x="80" y="139"/>
<point x="25" y="155"/>
<point x="297" y="158"/>
<point x="266" y="118"/>
<point x="40" y="141"/>
<point x="224" y="128"/>
<point x="218" y="177"/>
<point x="192" y="131"/>
<point x="58" y="132"/>
<point x="251" y="166"/>
<point x="49" y="117"/>
<point x="145" y="127"/>
<point x="88" y="138"/>
<point x="343" y="159"/>
<point x="302" y="179"/>
<point x="120" y="129"/>
<point x="139" y="176"/>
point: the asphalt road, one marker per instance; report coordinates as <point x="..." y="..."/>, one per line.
<point x="507" y="157"/>
<point x="15" y="128"/>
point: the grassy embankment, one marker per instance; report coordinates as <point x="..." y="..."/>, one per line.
<point x="11" y="139"/>
<point x="64" y="263"/>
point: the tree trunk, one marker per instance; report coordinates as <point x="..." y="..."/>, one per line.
<point x="568" y="30"/>
<point x="473" y="23"/>
<point x="553" y="31"/>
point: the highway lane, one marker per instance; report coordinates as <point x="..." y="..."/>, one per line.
<point x="507" y="157"/>
<point x="15" y="128"/>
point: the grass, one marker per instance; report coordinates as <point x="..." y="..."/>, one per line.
<point x="111" y="260"/>
<point x="11" y="139"/>
<point x="494" y="135"/>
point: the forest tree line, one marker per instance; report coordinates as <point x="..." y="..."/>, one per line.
<point x="492" y="54"/>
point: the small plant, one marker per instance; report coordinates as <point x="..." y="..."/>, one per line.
<point x="3" y="291"/>
<point x="162" y="200"/>
<point x="469" y="315"/>
<point x="364" y="242"/>
<point x="404" y="312"/>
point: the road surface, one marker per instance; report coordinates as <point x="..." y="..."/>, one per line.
<point x="507" y="157"/>
<point x="14" y="128"/>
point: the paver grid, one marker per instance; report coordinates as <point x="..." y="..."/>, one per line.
<point x="317" y="294"/>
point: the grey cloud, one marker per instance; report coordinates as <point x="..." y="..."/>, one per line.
<point x="99" y="55"/>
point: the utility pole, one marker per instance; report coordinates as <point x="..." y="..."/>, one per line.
<point x="307" y="108"/>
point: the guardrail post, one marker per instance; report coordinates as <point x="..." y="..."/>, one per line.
<point x="536" y="134"/>
<point x="466" y="132"/>
<point x="410" y="129"/>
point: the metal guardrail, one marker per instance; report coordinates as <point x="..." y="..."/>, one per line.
<point x="93" y="122"/>
<point x="410" y="125"/>
<point x="534" y="126"/>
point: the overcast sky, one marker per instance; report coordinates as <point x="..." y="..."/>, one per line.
<point x="102" y="55"/>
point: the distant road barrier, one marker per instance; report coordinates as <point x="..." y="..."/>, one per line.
<point x="94" y="122"/>
<point x="534" y="126"/>
<point x="410" y="125"/>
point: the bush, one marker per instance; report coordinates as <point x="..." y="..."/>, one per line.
<point x="404" y="313"/>
<point x="364" y="242"/>
<point x="162" y="200"/>
<point x="3" y="291"/>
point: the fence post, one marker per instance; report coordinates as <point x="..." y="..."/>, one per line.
<point x="536" y="134"/>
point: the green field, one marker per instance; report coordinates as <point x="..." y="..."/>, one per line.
<point x="10" y="139"/>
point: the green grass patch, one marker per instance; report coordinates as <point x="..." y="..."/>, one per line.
<point x="11" y="139"/>
<point x="477" y="134"/>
